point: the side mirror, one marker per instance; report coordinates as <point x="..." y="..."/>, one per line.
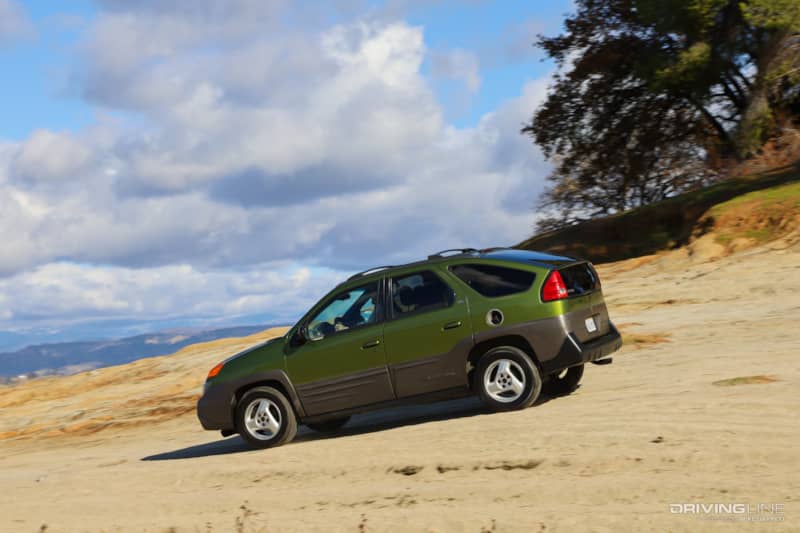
<point x="307" y="335"/>
<point x="300" y="336"/>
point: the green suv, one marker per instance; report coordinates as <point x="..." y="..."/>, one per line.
<point x="499" y="323"/>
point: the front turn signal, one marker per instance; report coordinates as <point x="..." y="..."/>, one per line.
<point x="214" y="371"/>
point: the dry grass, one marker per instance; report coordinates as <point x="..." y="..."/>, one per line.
<point x="757" y="217"/>
<point x="147" y="391"/>
<point x="745" y="380"/>
<point x="638" y="340"/>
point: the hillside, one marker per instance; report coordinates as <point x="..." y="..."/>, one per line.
<point x="144" y="392"/>
<point x="70" y="357"/>
<point x="760" y="210"/>
<point x="697" y="407"/>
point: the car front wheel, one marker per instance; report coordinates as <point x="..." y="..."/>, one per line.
<point x="264" y="418"/>
<point x="507" y="379"/>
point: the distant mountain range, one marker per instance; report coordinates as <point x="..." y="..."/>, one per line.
<point x="71" y="357"/>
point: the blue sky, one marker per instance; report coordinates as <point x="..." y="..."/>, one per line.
<point x="502" y="35"/>
<point x="214" y="162"/>
<point x="39" y="94"/>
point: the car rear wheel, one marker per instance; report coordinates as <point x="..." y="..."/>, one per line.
<point x="507" y="379"/>
<point x="329" y="426"/>
<point x="566" y="381"/>
<point x="264" y="418"/>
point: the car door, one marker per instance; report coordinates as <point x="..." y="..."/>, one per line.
<point x="428" y="334"/>
<point x="342" y="363"/>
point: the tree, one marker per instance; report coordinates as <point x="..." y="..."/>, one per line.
<point x="777" y="61"/>
<point x="650" y="94"/>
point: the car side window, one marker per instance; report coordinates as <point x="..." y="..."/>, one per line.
<point x="349" y="309"/>
<point x="493" y="281"/>
<point x="419" y="292"/>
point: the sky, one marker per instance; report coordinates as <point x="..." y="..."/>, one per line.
<point x="171" y="163"/>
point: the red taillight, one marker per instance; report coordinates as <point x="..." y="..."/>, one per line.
<point x="214" y="371"/>
<point x="554" y="288"/>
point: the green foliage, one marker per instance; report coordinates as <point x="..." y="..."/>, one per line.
<point x="788" y="193"/>
<point x="761" y="216"/>
<point x="689" y="65"/>
<point x="650" y="94"/>
<point x="772" y="15"/>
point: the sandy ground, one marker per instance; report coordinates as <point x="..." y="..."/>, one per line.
<point x="119" y="450"/>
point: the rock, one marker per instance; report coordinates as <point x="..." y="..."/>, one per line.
<point x="706" y="248"/>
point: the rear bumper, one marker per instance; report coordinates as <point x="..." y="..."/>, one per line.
<point x="214" y="408"/>
<point x="573" y="352"/>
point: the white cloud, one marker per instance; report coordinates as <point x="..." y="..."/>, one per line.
<point x="48" y="155"/>
<point x="459" y="65"/>
<point x="253" y="143"/>
<point x="60" y="292"/>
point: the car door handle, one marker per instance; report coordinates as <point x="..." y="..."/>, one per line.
<point x="371" y="344"/>
<point x="452" y="325"/>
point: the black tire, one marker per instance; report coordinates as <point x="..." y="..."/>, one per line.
<point x="329" y="426"/>
<point x="283" y="420"/>
<point x="519" y="366"/>
<point x="564" y="383"/>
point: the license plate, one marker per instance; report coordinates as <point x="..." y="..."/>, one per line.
<point x="591" y="325"/>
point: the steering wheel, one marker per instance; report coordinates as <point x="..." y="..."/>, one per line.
<point x="321" y="330"/>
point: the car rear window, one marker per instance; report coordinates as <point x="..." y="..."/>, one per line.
<point x="580" y="279"/>
<point x="494" y="281"/>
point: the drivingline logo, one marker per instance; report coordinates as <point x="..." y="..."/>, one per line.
<point x="745" y="512"/>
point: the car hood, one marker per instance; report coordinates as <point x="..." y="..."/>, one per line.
<point x="252" y="349"/>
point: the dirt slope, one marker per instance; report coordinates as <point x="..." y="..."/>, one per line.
<point x="144" y="392"/>
<point x="699" y="407"/>
<point x="679" y="220"/>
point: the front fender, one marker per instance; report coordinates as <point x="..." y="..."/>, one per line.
<point x="216" y="406"/>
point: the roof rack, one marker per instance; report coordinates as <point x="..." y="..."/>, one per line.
<point x="438" y="255"/>
<point x="369" y="271"/>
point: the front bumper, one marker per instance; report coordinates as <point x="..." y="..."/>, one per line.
<point x="215" y="407"/>
<point x="573" y="352"/>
